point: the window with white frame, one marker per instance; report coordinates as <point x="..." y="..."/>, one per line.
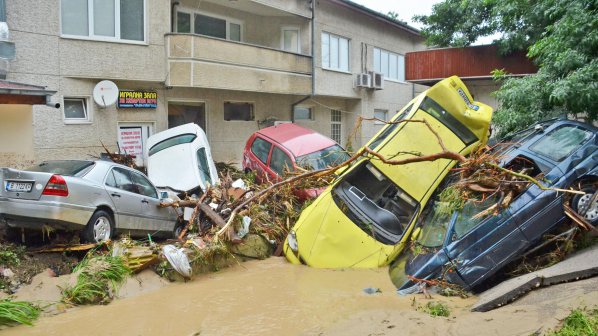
<point x="390" y="64"/>
<point x="290" y="39"/>
<point x="303" y="113"/>
<point x="75" y="110"/>
<point x="336" y="125"/>
<point x="111" y="20"/>
<point x="382" y="115"/>
<point x="209" y="25"/>
<point x="335" y="52"/>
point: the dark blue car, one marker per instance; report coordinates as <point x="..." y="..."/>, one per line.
<point x="467" y="251"/>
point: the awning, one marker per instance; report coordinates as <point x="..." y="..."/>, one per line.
<point x="24" y="94"/>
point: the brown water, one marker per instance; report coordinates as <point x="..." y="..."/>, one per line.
<point x="272" y="297"/>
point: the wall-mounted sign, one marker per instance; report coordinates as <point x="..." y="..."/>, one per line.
<point x="130" y="140"/>
<point x="138" y="99"/>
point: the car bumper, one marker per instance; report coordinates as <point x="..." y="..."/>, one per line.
<point x="32" y="214"/>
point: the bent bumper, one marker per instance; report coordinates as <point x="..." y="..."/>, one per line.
<point x="32" y="214"/>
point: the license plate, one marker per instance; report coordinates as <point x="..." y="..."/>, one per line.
<point x="19" y="186"/>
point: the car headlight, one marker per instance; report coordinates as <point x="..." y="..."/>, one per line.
<point x="292" y="241"/>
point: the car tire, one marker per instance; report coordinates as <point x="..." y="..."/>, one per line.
<point x="578" y="202"/>
<point x="178" y="228"/>
<point x="100" y="227"/>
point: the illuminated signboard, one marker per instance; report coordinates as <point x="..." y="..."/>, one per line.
<point x="138" y="99"/>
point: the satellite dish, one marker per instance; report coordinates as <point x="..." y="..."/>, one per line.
<point x="105" y="93"/>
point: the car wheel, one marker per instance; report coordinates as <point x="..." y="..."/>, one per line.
<point x="100" y="227"/>
<point x="178" y="228"/>
<point x="581" y="203"/>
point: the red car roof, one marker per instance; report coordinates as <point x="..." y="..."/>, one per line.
<point x="298" y="140"/>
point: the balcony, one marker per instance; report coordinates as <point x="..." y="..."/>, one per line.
<point x="207" y="62"/>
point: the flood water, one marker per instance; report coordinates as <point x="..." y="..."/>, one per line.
<point x="270" y="297"/>
<point x="273" y="297"/>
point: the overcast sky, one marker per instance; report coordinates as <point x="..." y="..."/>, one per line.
<point x="405" y="8"/>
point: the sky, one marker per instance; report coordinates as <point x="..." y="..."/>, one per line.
<point x="405" y="8"/>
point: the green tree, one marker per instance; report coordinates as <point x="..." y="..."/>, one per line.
<point x="560" y="36"/>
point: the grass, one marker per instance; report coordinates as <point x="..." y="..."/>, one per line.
<point x="435" y="309"/>
<point x="580" y="322"/>
<point x="21" y="312"/>
<point x="98" y="280"/>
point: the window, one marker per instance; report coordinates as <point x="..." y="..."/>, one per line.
<point x="176" y="140"/>
<point x="144" y="186"/>
<point x="75" y="110"/>
<point x="204" y="168"/>
<point x="327" y="157"/>
<point x="390" y="64"/>
<point x="261" y="148"/>
<point x="290" y="39"/>
<point x="104" y="19"/>
<point x="280" y="162"/>
<point x="382" y="115"/>
<point x="209" y="25"/>
<point x="238" y="111"/>
<point x="336" y="126"/>
<point x="447" y="119"/>
<point x="121" y="178"/>
<point x="335" y="52"/>
<point x="561" y="142"/>
<point x="302" y="113"/>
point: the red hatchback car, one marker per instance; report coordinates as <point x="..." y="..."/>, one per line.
<point x="272" y="151"/>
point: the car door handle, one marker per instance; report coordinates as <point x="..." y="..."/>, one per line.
<point x="115" y="195"/>
<point x="145" y="201"/>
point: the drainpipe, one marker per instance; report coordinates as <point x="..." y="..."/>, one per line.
<point x="313" y="62"/>
<point x="172" y="15"/>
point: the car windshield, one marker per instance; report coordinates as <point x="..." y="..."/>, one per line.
<point x="327" y="157"/>
<point x="177" y="140"/>
<point x="375" y="204"/>
<point x="561" y="142"/>
<point x="436" y="222"/>
<point x="65" y="168"/>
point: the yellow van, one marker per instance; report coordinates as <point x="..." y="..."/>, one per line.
<point x="365" y="217"/>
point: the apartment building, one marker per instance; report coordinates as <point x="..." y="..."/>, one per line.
<point x="231" y="66"/>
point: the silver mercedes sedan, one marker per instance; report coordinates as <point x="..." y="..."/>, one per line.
<point x="99" y="198"/>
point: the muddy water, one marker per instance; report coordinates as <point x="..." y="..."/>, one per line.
<point x="272" y="297"/>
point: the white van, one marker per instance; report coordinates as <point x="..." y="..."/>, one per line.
<point x="180" y="159"/>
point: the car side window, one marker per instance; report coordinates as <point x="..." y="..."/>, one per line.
<point x="121" y="179"/>
<point x="144" y="186"/>
<point x="280" y="162"/>
<point x="202" y="162"/>
<point x="261" y="149"/>
<point x="473" y="214"/>
<point x="561" y="142"/>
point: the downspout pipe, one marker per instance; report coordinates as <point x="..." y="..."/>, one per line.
<point x="313" y="61"/>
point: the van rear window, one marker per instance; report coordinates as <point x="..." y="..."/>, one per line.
<point x="435" y="110"/>
<point x="176" y="140"/>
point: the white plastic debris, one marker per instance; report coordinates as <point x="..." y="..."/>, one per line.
<point x="8" y="273"/>
<point x="239" y="184"/>
<point x="178" y="259"/>
<point x="244" y="230"/>
<point x="213" y="205"/>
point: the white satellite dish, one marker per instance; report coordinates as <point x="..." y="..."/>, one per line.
<point x="105" y="93"/>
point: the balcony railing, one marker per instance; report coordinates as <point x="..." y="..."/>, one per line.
<point x="201" y="61"/>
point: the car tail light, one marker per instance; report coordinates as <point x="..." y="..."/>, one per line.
<point x="56" y="187"/>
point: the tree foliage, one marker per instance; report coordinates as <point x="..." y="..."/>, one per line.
<point x="560" y="36"/>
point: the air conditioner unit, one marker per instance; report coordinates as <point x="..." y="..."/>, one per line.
<point x="364" y="80"/>
<point x="377" y="80"/>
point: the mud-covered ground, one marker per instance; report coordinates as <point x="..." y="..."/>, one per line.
<point x="273" y="297"/>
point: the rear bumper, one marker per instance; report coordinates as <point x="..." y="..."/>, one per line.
<point x="30" y="214"/>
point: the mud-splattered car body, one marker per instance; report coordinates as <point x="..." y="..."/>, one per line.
<point x="467" y="251"/>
